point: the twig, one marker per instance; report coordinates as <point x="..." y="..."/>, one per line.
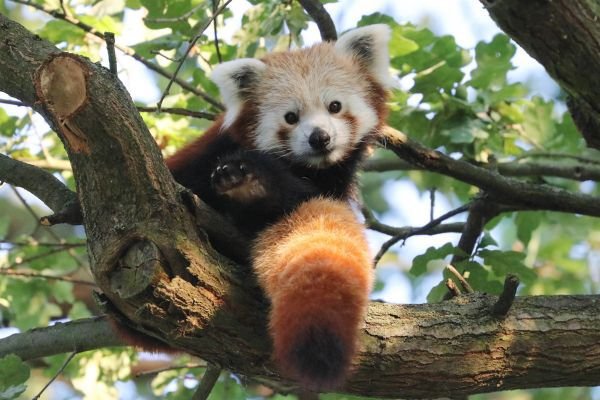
<point x="127" y="50"/>
<point x="216" y="33"/>
<point x="386" y="246"/>
<point x="109" y="37"/>
<point x="36" y="257"/>
<point x="42" y="244"/>
<point x="505" y="301"/>
<point x="14" y="103"/>
<point x="454" y="291"/>
<point x="546" y="154"/>
<point x="60" y="370"/>
<point x="431" y="203"/>
<point x="28" y="208"/>
<point x="49" y="231"/>
<point x="463" y="282"/>
<point x="207" y="383"/>
<point x="169" y="368"/>
<point x="317" y="12"/>
<point x="199" y="33"/>
<point x="179" y="111"/>
<point x="70" y="214"/>
<point x="406" y="231"/>
<point x="62" y="7"/>
<point x="34" y="275"/>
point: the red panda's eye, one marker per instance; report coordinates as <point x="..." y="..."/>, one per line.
<point x="291" y="118"/>
<point x="335" y="107"/>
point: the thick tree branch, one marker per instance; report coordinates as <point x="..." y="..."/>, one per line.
<point x="460" y="345"/>
<point x="38" y="182"/>
<point x="504" y="190"/>
<point x="81" y="335"/>
<point x="574" y="170"/>
<point x="564" y="36"/>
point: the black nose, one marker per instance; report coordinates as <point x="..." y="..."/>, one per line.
<point x="319" y="139"/>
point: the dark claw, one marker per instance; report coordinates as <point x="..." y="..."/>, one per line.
<point x="230" y="174"/>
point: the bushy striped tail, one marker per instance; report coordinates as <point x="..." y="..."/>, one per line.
<point x="316" y="269"/>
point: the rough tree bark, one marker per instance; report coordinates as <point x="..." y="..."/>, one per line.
<point x="149" y="260"/>
<point x="564" y="36"/>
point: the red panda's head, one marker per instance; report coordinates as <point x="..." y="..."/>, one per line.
<point x="315" y="105"/>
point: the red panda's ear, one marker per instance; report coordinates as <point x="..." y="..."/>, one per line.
<point x="236" y="80"/>
<point x="368" y="46"/>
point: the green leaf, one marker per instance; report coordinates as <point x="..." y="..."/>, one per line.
<point x="400" y="45"/>
<point x="493" y="62"/>
<point x="13" y="375"/>
<point x="487" y="241"/>
<point x="57" y="31"/>
<point x="465" y="130"/>
<point x="538" y="123"/>
<point x="4" y="225"/>
<point x="480" y="278"/>
<point x="422" y="262"/>
<point x="8" y="124"/>
<point x="376" y="18"/>
<point x="504" y="263"/>
<point x="165" y="42"/>
<point x="437" y="293"/>
<point x="526" y="223"/>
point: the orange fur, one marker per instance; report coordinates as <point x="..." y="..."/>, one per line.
<point x="315" y="267"/>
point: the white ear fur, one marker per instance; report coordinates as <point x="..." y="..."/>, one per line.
<point x="235" y="80"/>
<point x="368" y="45"/>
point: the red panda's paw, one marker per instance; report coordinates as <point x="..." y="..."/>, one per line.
<point x="237" y="180"/>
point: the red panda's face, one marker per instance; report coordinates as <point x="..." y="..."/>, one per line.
<point x="313" y="106"/>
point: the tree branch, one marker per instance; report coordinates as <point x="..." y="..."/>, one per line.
<point x="416" y="231"/>
<point x="406" y="347"/>
<point x="179" y="111"/>
<point x="507" y="191"/>
<point x="373" y="223"/>
<point x="319" y="14"/>
<point x="582" y="170"/>
<point x="81" y="335"/>
<point x="38" y="182"/>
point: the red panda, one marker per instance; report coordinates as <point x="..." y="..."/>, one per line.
<point x="296" y="126"/>
<point x="281" y="163"/>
